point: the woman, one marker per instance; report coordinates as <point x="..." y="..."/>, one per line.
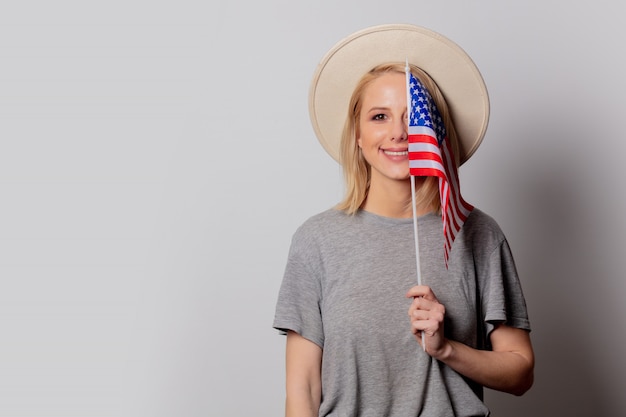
<point x="350" y="276"/>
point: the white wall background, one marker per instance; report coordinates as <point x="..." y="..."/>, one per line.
<point x="155" y="158"/>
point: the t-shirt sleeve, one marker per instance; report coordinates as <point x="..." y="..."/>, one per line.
<point x="299" y="297"/>
<point x="502" y="297"/>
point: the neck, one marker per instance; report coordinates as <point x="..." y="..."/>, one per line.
<point x="392" y="199"/>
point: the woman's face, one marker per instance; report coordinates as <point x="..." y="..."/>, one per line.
<point x="383" y="127"/>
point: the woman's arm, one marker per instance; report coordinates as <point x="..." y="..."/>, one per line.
<point x="507" y="367"/>
<point x="304" y="384"/>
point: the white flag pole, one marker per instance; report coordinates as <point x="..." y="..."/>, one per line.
<point x="407" y="71"/>
<point x="415" y="233"/>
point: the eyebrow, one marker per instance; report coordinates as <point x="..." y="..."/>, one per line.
<point x="377" y="109"/>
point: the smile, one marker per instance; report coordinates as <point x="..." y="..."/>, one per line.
<point x="396" y="153"/>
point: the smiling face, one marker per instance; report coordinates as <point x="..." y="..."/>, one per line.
<point x="382" y="129"/>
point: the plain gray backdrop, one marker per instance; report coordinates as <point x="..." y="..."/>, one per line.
<point x="156" y="157"/>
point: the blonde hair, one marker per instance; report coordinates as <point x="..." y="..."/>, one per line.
<point x="357" y="171"/>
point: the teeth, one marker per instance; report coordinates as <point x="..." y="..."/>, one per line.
<point x="402" y="153"/>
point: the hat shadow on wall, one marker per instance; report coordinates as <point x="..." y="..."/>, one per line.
<point x="560" y="241"/>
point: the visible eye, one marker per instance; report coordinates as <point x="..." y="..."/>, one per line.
<point x="379" y="116"/>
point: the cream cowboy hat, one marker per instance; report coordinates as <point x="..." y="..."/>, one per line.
<point x="452" y="69"/>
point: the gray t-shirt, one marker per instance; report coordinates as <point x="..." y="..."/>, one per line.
<point x="344" y="289"/>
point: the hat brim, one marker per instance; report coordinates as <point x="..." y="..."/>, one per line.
<point x="448" y="65"/>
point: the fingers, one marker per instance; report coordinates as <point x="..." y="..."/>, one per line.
<point x="429" y="321"/>
<point x="426" y="302"/>
<point x="426" y="314"/>
<point x="422" y="291"/>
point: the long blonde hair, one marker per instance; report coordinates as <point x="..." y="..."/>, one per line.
<point x="357" y="171"/>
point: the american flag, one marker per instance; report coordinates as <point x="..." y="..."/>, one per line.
<point x="430" y="154"/>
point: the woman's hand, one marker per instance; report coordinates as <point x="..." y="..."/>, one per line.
<point x="507" y="367"/>
<point x="426" y="314"/>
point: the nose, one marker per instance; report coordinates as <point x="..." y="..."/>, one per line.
<point x="400" y="131"/>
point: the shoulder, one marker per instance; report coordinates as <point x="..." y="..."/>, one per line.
<point x="481" y="232"/>
<point x="327" y="216"/>
<point x="321" y="237"/>
<point x="321" y="226"/>
<point x="480" y="222"/>
<point x="320" y="222"/>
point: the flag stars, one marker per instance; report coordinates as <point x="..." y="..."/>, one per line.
<point x="423" y="111"/>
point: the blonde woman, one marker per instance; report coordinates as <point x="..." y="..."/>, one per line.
<point x="362" y="338"/>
